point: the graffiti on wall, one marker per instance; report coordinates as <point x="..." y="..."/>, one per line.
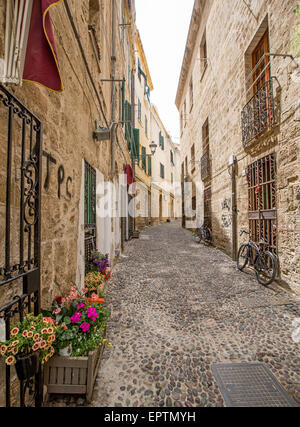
<point x="64" y="182"/>
<point x="226" y="217"/>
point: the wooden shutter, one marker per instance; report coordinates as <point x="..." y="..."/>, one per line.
<point x="144" y="158"/>
<point x="136" y="144"/>
<point x="149" y="166"/>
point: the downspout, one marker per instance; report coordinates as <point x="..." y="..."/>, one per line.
<point x="234" y="211"/>
<point x="113" y="88"/>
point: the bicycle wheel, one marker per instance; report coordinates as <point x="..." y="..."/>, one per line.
<point x="265" y="267"/>
<point x="208" y="235"/>
<point x="242" y="257"/>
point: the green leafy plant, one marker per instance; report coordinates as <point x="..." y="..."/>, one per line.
<point x="296" y="39"/>
<point x="94" y="281"/>
<point x="81" y="321"/>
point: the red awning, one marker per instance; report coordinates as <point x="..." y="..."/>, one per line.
<point x="41" y="62"/>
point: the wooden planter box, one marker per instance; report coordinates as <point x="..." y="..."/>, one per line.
<point x="73" y="375"/>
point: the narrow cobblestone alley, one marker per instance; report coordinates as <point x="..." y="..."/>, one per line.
<point x="177" y="307"/>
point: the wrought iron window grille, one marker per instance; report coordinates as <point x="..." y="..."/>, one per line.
<point x="258" y="115"/>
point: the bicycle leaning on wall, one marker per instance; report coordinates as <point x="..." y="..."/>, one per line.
<point x="264" y="262"/>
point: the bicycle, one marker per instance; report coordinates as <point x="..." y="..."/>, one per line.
<point x="264" y="262"/>
<point x="204" y="233"/>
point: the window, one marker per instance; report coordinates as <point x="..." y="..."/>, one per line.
<point x="205" y="136"/>
<point x="203" y="55"/>
<point x="149" y="166"/>
<point x="172" y="178"/>
<point x="261" y="63"/>
<point x="186" y="166"/>
<point x="261" y="176"/>
<point x="191" y="94"/>
<point x="146" y="125"/>
<point x="144" y="158"/>
<point x="139" y="111"/>
<point x="161" y="141"/>
<point x="181" y="122"/>
<point x="184" y="113"/>
<point x="205" y="159"/>
<point x="193" y="157"/>
<point x="258" y="115"/>
<point x="162" y="171"/>
<point x="89" y="212"/>
<point x="172" y="158"/>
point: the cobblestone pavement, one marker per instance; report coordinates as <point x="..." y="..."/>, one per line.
<point x="177" y="308"/>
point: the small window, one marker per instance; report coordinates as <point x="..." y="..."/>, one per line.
<point x="205" y="136"/>
<point x="193" y="157"/>
<point x="191" y="94"/>
<point x="146" y="125"/>
<point x="172" y="158"/>
<point x="162" y="171"/>
<point x="139" y="111"/>
<point x="144" y="161"/>
<point x="203" y="55"/>
<point x="161" y="141"/>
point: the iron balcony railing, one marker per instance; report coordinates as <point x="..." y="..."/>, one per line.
<point x="258" y="114"/>
<point x="205" y="166"/>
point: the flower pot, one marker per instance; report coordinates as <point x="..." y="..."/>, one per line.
<point x="27" y="366"/>
<point x="66" y="351"/>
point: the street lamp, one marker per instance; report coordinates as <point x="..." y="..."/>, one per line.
<point x="153" y="148"/>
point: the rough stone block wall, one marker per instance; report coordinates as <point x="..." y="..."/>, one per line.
<point x="220" y="95"/>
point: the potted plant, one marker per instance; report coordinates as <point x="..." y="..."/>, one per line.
<point x="94" y="282"/>
<point x="100" y="262"/>
<point x="81" y="322"/>
<point x="31" y="341"/>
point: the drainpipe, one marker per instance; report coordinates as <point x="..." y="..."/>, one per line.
<point x="113" y="87"/>
<point x="234" y="208"/>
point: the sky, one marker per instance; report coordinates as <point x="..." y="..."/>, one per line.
<point x="163" y="27"/>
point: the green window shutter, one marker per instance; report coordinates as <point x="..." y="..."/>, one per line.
<point x="136" y="144"/>
<point x="127" y="116"/>
<point x="144" y="158"/>
<point x="149" y="166"/>
<point x="123" y="102"/>
<point x="161" y="141"/>
<point x="162" y="171"/>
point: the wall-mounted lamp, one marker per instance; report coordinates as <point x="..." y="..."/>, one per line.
<point x="102" y="133"/>
<point x="153" y="147"/>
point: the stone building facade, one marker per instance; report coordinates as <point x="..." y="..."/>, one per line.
<point x="95" y="48"/>
<point x="166" y="194"/>
<point x="238" y="100"/>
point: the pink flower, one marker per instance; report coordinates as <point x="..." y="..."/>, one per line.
<point x="85" y="327"/>
<point x="91" y="312"/>
<point x="80" y="305"/>
<point x="75" y="318"/>
<point x="57" y="311"/>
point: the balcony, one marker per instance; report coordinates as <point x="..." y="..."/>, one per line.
<point x="205" y="166"/>
<point x="258" y="115"/>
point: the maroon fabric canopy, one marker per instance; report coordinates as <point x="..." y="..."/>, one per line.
<point x="41" y="62"/>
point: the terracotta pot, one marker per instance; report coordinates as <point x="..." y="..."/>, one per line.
<point x="27" y="366"/>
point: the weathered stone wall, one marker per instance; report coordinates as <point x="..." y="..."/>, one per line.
<point x="68" y="122"/>
<point x="220" y="95"/>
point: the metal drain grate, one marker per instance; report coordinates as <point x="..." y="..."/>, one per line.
<point x="250" y="385"/>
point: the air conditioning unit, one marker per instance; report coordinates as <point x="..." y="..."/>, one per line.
<point x="18" y="16"/>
